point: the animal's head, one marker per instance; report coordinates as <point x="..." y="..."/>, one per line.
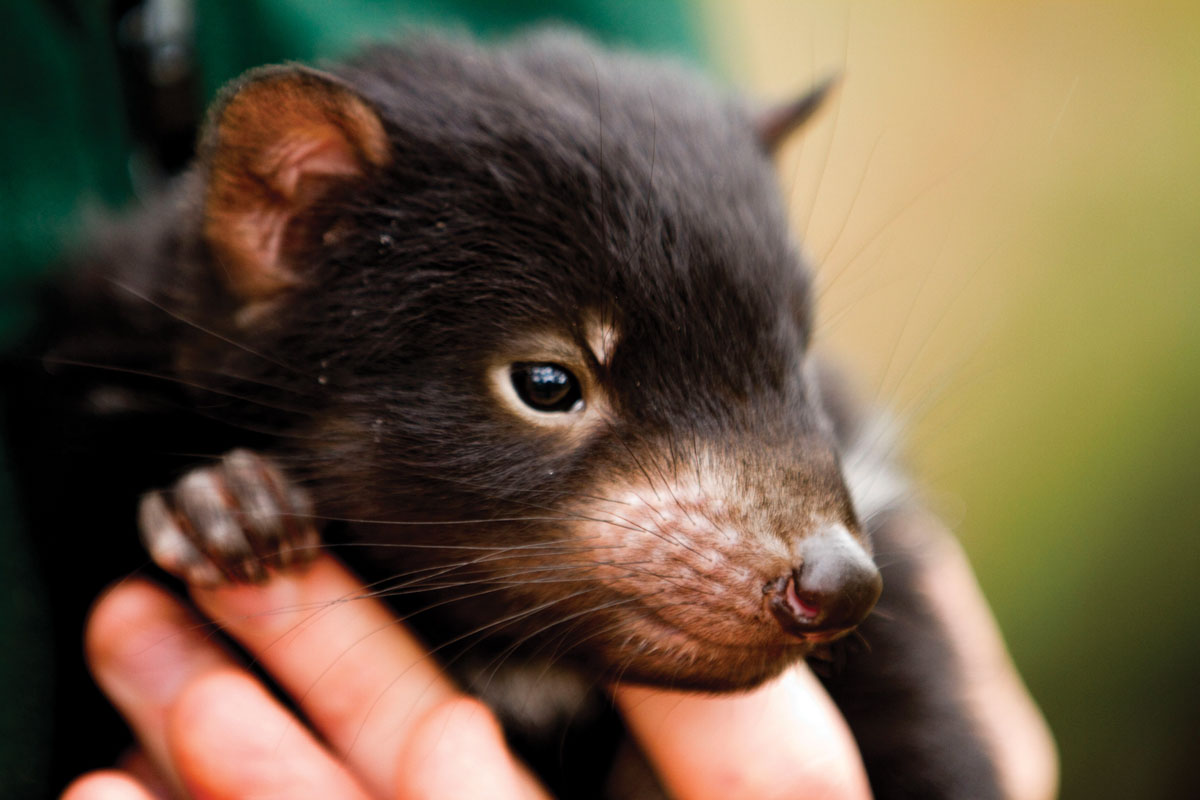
<point x="549" y="335"/>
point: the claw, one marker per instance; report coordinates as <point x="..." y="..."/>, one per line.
<point x="228" y="522"/>
<point x="170" y="548"/>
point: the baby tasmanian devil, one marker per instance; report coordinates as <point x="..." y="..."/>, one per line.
<point x="526" y="327"/>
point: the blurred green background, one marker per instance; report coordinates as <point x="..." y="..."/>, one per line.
<point x="1003" y="206"/>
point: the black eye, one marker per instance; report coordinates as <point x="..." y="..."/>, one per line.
<point x="547" y="387"/>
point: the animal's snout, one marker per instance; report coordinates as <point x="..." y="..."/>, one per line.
<point x="833" y="587"/>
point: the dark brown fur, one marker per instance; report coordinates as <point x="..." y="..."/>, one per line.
<point x="535" y="193"/>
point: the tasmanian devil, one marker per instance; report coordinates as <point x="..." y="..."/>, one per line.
<point x="526" y="327"/>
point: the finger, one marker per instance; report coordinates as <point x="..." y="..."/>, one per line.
<point x="143" y="647"/>
<point x="232" y="740"/>
<point x="357" y="674"/>
<point x="785" y="739"/>
<point x="107" y="785"/>
<point x="1018" y="735"/>
<point x="456" y="751"/>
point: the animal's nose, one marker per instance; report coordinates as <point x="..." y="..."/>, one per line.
<point x="833" y="589"/>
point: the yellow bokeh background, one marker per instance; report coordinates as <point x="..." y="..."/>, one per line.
<point x="1003" y="203"/>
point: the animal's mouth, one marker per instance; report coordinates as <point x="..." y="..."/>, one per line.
<point x="668" y="635"/>
<point x="800" y="617"/>
<point x="667" y="653"/>
<point x="802" y="608"/>
<point x="801" y="641"/>
<point x="716" y="621"/>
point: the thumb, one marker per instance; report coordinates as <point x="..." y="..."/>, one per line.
<point x="785" y="739"/>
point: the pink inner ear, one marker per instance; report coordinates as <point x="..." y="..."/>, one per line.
<point x="258" y="236"/>
<point x="297" y="170"/>
<point x="320" y="151"/>
<point x="280" y="145"/>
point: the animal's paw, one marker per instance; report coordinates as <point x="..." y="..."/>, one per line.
<point x="231" y="521"/>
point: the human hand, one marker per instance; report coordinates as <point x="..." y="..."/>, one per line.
<point x="390" y="723"/>
<point x="394" y="726"/>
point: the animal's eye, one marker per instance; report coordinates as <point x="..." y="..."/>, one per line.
<point x="547" y="387"/>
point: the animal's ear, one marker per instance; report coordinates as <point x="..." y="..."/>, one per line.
<point x="776" y="123"/>
<point x="277" y="143"/>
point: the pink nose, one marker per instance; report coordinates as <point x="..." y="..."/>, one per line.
<point x="833" y="589"/>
